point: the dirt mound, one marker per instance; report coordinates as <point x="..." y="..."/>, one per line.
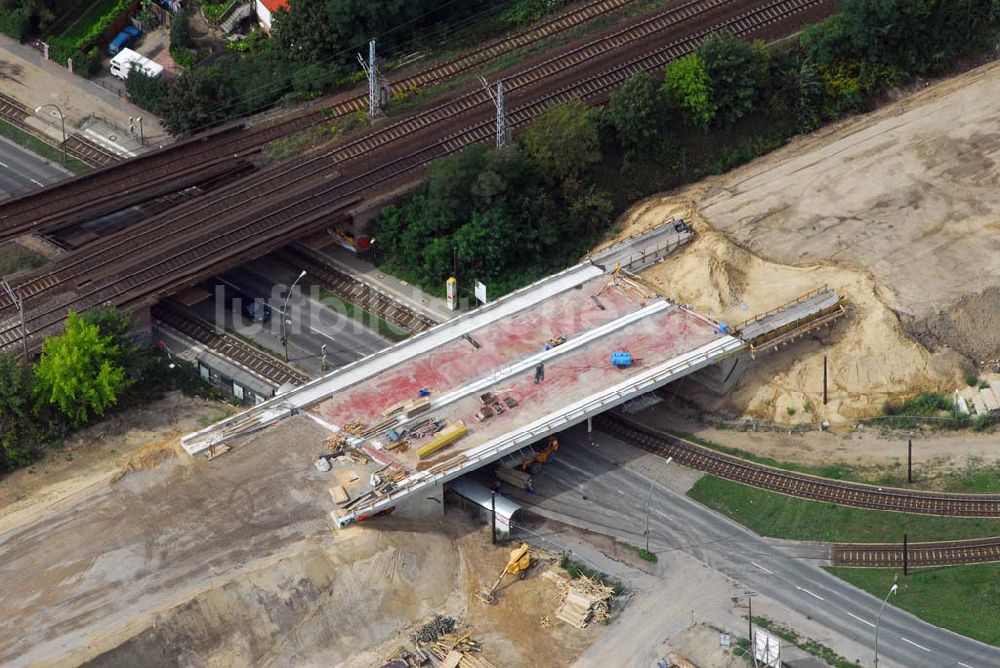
<point x="971" y="326"/>
<point x="871" y="359"/>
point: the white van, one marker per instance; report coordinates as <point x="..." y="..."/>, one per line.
<point x="126" y="59"/>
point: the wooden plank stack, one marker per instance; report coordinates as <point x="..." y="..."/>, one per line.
<point x="456" y="651"/>
<point x="584" y="600"/>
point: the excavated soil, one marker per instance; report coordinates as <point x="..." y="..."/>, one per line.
<point x="898" y="210"/>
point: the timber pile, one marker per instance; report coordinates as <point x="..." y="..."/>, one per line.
<point x="458" y="652"/>
<point x="584" y="600"/>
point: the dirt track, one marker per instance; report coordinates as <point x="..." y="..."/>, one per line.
<point x="898" y="210"/>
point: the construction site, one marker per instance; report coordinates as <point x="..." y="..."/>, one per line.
<point x="508" y="486"/>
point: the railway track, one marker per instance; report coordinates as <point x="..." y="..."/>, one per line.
<point x="116" y="190"/>
<point x="303" y="206"/>
<point x="85" y="151"/>
<point x="918" y="555"/>
<point x="355" y="291"/>
<point x="798" y="485"/>
<point x="90" y="153"/>
<point x="277" y="180"/>
<point x="256" y="361"/>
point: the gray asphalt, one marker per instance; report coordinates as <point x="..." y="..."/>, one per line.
<point x="21" y="171"/>
<point x="583" y="484"/>
<point x="313" y="324"/>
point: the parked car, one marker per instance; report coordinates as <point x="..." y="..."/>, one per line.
<point x="124" y="39"/>
<point x="255" y="309"/>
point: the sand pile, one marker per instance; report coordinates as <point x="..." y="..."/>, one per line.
<point x="971" y="326"/>
<point x="871" y="359"/>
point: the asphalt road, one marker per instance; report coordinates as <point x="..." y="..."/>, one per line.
<point x="586" y="486"/>
<point x="21" y="171"/>
<point x="312" y="325"/>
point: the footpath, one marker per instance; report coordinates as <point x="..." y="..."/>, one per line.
<point x="89" y="109"/>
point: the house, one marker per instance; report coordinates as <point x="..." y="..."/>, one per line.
<point x="266" y="9"/>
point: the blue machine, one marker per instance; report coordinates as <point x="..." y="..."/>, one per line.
<point x="621" y="359"/>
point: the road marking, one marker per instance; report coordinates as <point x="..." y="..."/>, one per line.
<point x="4" y="165"/>
<point x="37" y="183"/>
<point x="964" y="664"/>
<point x="754" y="563"/>
<point x="809" y="592"/>
<point x="914" y="644"/>
<point x="863" y="621"/>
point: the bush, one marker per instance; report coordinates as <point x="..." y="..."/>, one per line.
<point x="147" y="92"/>
<point x="180" y="31"/>
<point x="87" y="63"/>
<point x="736" y="72"/>
<point x="689" y="91"/>
<point x="15" y="22"/>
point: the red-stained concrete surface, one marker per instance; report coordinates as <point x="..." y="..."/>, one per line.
<point x="568" y="377"/>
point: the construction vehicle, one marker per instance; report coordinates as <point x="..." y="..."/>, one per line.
<point x="533" y="461"/>
<point x="520" y="561"/>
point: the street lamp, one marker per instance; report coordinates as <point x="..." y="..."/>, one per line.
<point x="284" y="310"/>
<point x="649" y="497"/>
<point x="62" y="120"/>
<point x="878" y="619"/>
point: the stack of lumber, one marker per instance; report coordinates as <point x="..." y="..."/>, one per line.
<point x="336" y="443"/>
<point x="516" y="477"/>
<point x="355" y="427"/>
<point x="584" y="601"/>
<point x="458" y="652"/>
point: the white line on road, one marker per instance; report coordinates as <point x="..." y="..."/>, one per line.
<point x="4" y="165"/>
<point x="809" y="592"/>
<point x="863" y="621"/>
<point x="37" y="183"/>
<point x="914" y="644"/>
<point x="963" y="664"/>
<point x="754" y="563"/>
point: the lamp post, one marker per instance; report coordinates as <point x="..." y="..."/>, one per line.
<point x="878" y="619"/>
<point x="284" y="310"/>
<point x="62" y="120"/>
<point x="649" y="497"/>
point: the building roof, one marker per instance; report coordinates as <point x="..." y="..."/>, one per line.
<point x="274" y="5"/>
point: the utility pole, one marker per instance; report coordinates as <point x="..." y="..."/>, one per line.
<point x="493" y="520"/>
<point x="909" y="460"/>
<point x="503" y="131"/>
<point x="906" y="556"/>
<point x="371" y="70"/>
<point x="16" y="299"/>
<point x="824" y="380"/>
<point x="750" y="595"/>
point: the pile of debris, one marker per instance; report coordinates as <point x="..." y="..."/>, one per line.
<point x="584" y="600"/>
<point x="438" y="644"/>
<point x="432" y="630"/>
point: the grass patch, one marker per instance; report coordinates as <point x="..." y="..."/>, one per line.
<point x="819" y="650"/>
<point x="643" y="553"/>
<point x="15" y="258"/>
<point x="39" y="147"/>
<point x="977" y="477"/>
<point x="779" y="516"/>
<point x="963" y="599"/>
<point x="369" y="320"/>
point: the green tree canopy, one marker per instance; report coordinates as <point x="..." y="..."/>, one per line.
<point x="689" y="91"/>
<point x="77" y="373"/>
<point x="638" y="113"/>
<point x="564" y="141"/>
<point x="14" y="396"/>
<point x="737" y="73"/>
<point x="180" y="30"/>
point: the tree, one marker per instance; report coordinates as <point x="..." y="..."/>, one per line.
<point x="146" y="91"/>
<point x="77" y="373"/>
<point x="15" y="448"/>
<point x="638" y="113"/>
<point x="689" y="91"/>
<point x="180" y="31"/>
<point x="737" y="74"/>
<point x="564" y="141"/>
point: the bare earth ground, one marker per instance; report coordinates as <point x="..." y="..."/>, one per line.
<point x="126" y="554"/>
<point x="899" y="210"/>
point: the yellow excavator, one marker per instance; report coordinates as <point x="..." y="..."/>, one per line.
<point x="520" y="561"/>
<point x="533" y="462"/>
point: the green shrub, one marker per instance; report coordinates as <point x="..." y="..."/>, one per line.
<point x="972" y="380"/>
<point x="15" y="22"/>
